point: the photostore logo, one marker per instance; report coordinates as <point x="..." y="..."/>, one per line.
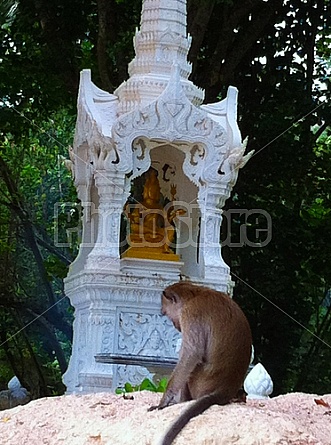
<point x="177" y="225"/>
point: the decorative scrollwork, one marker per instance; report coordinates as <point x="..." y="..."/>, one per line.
<point x="146" y="334"/>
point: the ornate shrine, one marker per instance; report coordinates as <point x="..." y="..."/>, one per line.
<point x="153" y="169"/>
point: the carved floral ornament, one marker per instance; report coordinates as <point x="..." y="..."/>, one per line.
<point x="151" y="340"/>
<point x="172" y="119"/>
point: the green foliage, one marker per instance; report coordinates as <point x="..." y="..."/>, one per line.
<point x="282" y="284"/>
<point x="145" y="385"/>
<point x="32" y="266"/>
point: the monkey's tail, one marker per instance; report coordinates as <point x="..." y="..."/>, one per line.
<point x="198" y="407"/>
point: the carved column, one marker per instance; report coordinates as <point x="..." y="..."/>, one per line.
<point x="80" y="300"/>
<point x="87" y="236"/>
<point x="112" y="196"/>
<point x="210" y="256"/>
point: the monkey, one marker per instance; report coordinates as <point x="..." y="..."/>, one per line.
<point x="215" y="352"/>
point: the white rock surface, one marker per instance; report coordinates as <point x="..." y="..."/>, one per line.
<point x="106" y="419"/>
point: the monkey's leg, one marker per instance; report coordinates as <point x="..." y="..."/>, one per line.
<point x="177" y="389"/>
<point x="185" y="395"/>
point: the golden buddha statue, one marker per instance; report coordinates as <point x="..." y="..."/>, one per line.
<point x="151" y="225"/>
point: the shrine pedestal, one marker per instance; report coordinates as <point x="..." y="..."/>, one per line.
<point x="119" y="314"/>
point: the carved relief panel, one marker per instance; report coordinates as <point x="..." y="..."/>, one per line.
<point x="144" y="332"/>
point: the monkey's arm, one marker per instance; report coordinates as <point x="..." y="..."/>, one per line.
<point x="177" y="386"/>
<point x="189" y="358"/>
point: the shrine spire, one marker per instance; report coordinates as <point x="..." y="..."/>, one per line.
<point x="160" y="43"/>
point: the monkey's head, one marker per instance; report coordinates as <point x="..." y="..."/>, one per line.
<point x="171" y="306"/>
<point x="173" y="299"/>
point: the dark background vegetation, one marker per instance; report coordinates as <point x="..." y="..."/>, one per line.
<point x="277" y="53"/>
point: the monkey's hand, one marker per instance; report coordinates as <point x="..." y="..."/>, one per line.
<point x="169" y="398"/>
<point x="154" y="407"/>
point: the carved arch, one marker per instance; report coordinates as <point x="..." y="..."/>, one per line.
<point x="172" y="119"/>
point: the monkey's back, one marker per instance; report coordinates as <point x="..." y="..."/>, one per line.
<point x="228" y="343"/>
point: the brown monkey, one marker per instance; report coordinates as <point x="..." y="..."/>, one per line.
<point x="215" y="351"/>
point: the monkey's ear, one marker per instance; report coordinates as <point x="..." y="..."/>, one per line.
<point x="171" y="296"/>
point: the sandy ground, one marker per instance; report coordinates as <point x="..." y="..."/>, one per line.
<point x="107" y="419"/>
